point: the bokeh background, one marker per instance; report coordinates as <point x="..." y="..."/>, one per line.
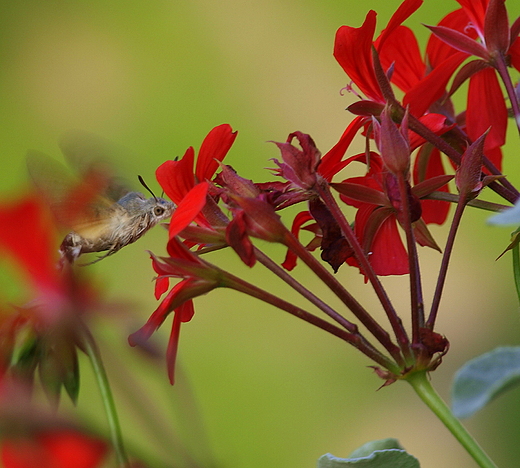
<point x="256" y="388"/>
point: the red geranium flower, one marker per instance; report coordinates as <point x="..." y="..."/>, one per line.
<point x="188" y="187"/>
<point x="53" y="449"/>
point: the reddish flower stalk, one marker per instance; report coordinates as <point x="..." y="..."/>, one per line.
<point x="470" y="184"/>
<point x="337" y="288"/>
<point x="395" y="321"/>
<point x="416" y="295"/>
<point x="353" y="337"/>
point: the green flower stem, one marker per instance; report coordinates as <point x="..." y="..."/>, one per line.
<point x="423" y="387"/>
<point x="516" y="267"/>
<point x="94" y="355"/>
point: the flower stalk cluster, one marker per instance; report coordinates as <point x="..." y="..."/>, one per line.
<point x="403" y="188"/>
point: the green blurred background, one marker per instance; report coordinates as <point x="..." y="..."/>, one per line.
<point x="256" y="388"/>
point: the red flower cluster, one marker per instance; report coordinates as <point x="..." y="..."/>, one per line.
<point x="403" y="185"/>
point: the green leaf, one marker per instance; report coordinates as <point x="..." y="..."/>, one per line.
<point x="385" y="453"/>
<point x="71" y="377"/>
<point x="482" y="379"/>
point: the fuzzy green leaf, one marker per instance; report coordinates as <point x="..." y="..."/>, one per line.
<point x="385" y="453"/>
<point x="482" y="379"/>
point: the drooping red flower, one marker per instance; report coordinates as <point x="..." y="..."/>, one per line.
<point x="196" y="279"/>
<point x="486" y="109"/>
<point x="423" y="82"/>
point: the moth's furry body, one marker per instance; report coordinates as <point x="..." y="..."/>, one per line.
<point x="122" y="223"/>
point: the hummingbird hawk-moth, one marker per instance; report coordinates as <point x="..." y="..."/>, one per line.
<point x="102" y="215"/>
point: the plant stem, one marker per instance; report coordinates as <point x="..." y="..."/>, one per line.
<point x="501" y="67"/>
<point x="506" y="190"/>
<point x="476" y="203"/>
<point x="355" y="339"/>
<point x="306" y="293"/>
<point x="421" y="384"/>
<point x="94" y="355"/>
<point x="366" y="268"/>
<point x="337" y="288"/>
<point x="441" y="279"/>
<point x="416" y="295"/>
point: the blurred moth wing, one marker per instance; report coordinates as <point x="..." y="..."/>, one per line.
<point x="77" y="203"/>
<point x="96" y="222"/>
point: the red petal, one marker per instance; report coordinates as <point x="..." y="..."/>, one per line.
<point x="176" y="177"/>
<point x="26" y="235"/>
<point x="71" y="449"/>
<point x="188" y="208"/>
<point x="433" y="86"/>
<point x="214" y="149"/>
<point x="353" y="51"/>
<point x="56" y="449"/>
<point x="182" y="314"/>
<point x="405" y="10"/>
<point x="495" y="156"/>
<point x="486" y="108"/>
<point x="435" y="123"/>
<point x="389" y="256"/>
<point x="331" y="162"/>
<point x="378" y="232"/>
<point x="159" y="315"/>
<point x="161" y="286"/>
<point x="476" y="11"/>
<point x="299" y="220"/>
<point x="434" y="211"/>
<point x="514" y="52"/>
<point x="437" y="50"/>
<point x="402" y="49"/>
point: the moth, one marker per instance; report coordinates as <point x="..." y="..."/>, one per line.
<point x="102" y="214"/>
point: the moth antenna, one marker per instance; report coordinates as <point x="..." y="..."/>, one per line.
<point x="143" y="183"/>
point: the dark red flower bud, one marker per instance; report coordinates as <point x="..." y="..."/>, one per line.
<point x="392" y="191"/>
<point x="468" y="176"/>
<point x="496" y="28"/>
<point x="299" y="166"/>
<point x="393" y="143"/>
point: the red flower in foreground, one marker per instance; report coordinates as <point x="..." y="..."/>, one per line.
<point x="48" y="328"/>
<point x="26" y="236"/>
<point x="53" y="449"/>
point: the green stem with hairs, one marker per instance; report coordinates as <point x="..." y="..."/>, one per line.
<point x="420" y="382"/>
<point x="94" y="355"/>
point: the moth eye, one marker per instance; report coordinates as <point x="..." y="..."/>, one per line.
<point x="158" y="210"/>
